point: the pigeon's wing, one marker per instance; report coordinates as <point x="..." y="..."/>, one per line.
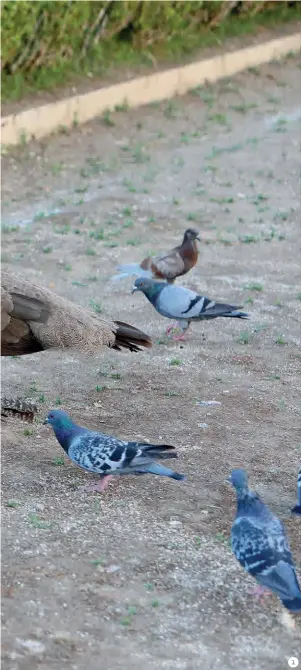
<point x="17" y="312"/>
<point x="264" y="552"/>
<point x="178" y="302"/>
<point x="97" y="452"/>
<point x="168" y="265"/>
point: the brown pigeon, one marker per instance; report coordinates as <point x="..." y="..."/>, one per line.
<point x="34" y="318"/>
<point x="169" y="265"/>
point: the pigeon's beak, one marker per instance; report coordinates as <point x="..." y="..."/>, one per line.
<point x="134" y="289"/>
<point x="45" y="421"/>
<point x="198" y="238"/>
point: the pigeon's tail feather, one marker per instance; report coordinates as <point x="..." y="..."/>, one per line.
<point x="238" y="315"/>
<point x="293" y="605"/>
<point x="131" y="270"/>
<point x="282" y="580"/>
<point x="296" y="509"/>
<point x="157" y="469"/>
<point x="162" y="451"/>
<point x="130" y="338"/>
<point x="220" y="309"/>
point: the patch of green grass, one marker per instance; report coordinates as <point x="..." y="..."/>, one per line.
<point x="259" y="198"/>
<point x="127" y="211"/>
<point x="280" y="340"/>
<point x="139" y="154"/>
<point x="171" y="109"/>
<point x="254" y="287"/>
<point x="58" y="401"/>
<point x="58" y="460"/>
<point x="47" y="250"/>
<point x="97" y="561"/>
<point x="244" y="337"/>
<point x="97" y="234"/>
<point x="244" y="107"/>
<point x="122" y="107"/>
<point x="128" y="224"/>
<point x="107" y="118"/>
<point x="218" y="118"/>
<point x="42" y="398"/>
<point x="100" y="388"/>
<point x="90" y="252"/>
<point x="9" y="229"/>
<point x="12" y="503"/>
<point x="149" y="586"/>
<point x="95" y="306"/>
<point x="133" y="242"/>
<point x="28" y="432"/>
<point x="175" y="361"/>
<point x="155" y="603"/>
<point x="115" y="375"/>
<point x="37" y="522"/>
<point x="248" y="239"/>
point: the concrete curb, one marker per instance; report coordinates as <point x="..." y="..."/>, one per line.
<point x="41" y="121"/>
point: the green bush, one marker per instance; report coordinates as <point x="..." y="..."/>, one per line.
<point x="40" y="38"/>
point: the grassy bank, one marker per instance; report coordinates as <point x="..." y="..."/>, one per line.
<point x="42" y="49"/>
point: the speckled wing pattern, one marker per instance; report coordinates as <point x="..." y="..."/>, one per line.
<point x="105" y="454"/>
<point x="261" y="547"/>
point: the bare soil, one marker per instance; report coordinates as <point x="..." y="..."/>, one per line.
<point x="143" y="576"/>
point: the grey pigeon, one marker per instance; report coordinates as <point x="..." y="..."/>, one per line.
<point x="260" y="545"/>
<point x="178" y="302"/>
<point x="297" y="508"/>
<point x="107" y="455"/>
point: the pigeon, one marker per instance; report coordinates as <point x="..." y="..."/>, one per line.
<point x="297" y="508"/>
<point x="25" y="409"/>
<point x="178" y="302"/>
<point x="169" y="265"/>
<point x="34" y="318"/>
<point x="107" y="455"/>
<point x="260" y="545"/>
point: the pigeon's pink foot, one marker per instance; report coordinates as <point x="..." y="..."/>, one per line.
<point x="179" y="338"/>
<point x="259" y="592"/>
<point x="172" y="326"/>
<point x="100" y="486"/>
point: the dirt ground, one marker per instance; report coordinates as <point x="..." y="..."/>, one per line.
<point x="143" y="576"/>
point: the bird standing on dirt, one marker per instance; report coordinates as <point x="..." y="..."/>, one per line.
<point x="34" y="318"/>
<point x="168" y="265"/>
<point x="260" y="545"/>
<point x="178" y="302"/>
<point x="107" y="455"/>
<point x="297" y="508"/>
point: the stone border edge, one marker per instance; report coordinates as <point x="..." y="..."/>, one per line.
<point x="41" y="121"/>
